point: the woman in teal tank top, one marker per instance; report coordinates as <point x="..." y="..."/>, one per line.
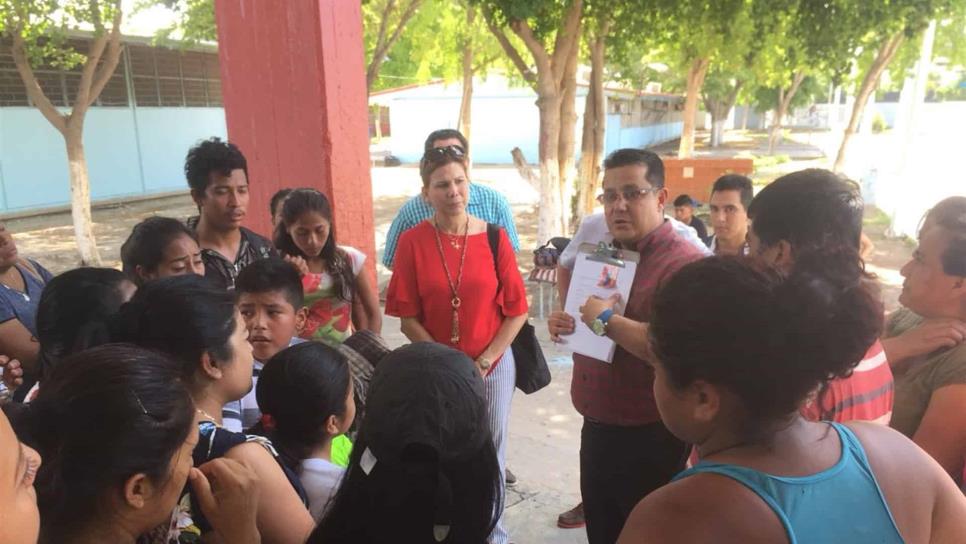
<point x="731" y="373"/>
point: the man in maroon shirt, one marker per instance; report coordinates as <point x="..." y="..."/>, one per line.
<point x="625" y="450"/>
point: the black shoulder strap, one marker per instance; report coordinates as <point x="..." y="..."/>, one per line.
<point x="493" y="237"/>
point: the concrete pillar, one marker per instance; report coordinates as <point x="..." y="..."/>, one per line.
<point x="294" y="89"/>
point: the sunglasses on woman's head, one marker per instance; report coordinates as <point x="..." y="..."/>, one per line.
<point x="437" y="153"/>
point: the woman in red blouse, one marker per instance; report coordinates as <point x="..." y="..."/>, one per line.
<point x="445" y="288"/>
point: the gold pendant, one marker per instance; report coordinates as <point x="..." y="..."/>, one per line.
<point x="455" y="333"/>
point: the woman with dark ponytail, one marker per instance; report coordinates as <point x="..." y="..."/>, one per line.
<point x="113" y="425"/>
<point x="306" y="397"/>
<point x="730" y="379"/>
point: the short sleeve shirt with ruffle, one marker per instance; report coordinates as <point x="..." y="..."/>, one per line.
<point x="925" y="375"/>
<point x="419" y="287"/>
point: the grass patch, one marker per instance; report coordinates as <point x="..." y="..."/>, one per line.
<point x="767" y="161"/>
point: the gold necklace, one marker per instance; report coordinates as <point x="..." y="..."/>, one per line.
<point x="207" y="415"/>
<point x="454" y="288"/>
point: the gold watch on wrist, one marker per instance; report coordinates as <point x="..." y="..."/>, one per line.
<point x="484" y="363"/>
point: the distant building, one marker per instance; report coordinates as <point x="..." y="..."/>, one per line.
<point x="506" y="116"/>
<point x="159" y="103"/>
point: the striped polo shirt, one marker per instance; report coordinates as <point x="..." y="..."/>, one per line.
<point x="866" y="395"/>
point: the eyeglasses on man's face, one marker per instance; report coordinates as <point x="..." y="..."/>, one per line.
<point x="629" y="194"/>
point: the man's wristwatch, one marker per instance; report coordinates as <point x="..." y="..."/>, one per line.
<point x="599" y="325"/>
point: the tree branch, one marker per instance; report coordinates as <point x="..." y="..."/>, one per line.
<point x="106" y="71"/>
<point x="34" y="91"/>
<point x="484" y="62"/>
<point x="383" y="27"/>
<point x="508" y="48"/>
<point x="82" y="99"/>
<point x="384" y="44"/>
<point x="537" y="50"/>
<point x="568" y="37"/>
<point x="406" y="16"/>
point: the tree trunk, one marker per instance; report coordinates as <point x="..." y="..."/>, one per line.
<point x="550" y="86"/>
<point x="595" y="122"/>
<point x="720" y="109"/>
<point x="744" y="118"/>
<point x="549" y="224"/>
<point x="696" y="73"/>
<point x="587" y="176"/>
<point x="869" y="83"/>
<point x="378" y="123"/>
<point x="784" y="101"/>
<point x="80" y="195"/>
<point x="567" y="138"/>
<point x="466" y="102"/>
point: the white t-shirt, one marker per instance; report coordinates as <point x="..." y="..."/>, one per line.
<point x="321" y="480"/>
<point x="593" y="230"/>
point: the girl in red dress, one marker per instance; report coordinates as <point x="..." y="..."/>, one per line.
<point x="447" y="288"/>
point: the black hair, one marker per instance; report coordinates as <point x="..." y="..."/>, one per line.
<point x="302" y="201"/>
<point x="183" y="316"/>
<point x="736" y="182"/>
<point x="277" y="199"/>
<point x="299" y="388"/>
<point x="147" y="242"/>
<point x="269" y="276"/>
<point x="629" y="156"/>
<point x="769" y="339"/>
<point x="425" y="425"/>
<point x="105" y="415"/>
<point x="435" y="158"/>
<point x="813" y="210"/>
<point x="446" y="134"/>
<point x="950" y="214"/>
<point x="683" y="200"/>
<point x="75" y="313"/>
<point x="212" y="156"/>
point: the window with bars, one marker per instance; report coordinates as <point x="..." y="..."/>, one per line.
<point x="160" y="77"/>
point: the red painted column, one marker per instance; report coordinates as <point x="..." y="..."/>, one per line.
<point x="293" y="84"/>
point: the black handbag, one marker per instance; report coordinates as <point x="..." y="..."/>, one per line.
<point x="533" y="374"/>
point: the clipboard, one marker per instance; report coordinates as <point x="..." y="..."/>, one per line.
<point x="600" y="270"/>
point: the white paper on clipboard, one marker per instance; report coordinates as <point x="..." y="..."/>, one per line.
<point x="599" y="271"/>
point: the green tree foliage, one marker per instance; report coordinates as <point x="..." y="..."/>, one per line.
<point x="195" y="21"/>
<point x="431" y="46"/>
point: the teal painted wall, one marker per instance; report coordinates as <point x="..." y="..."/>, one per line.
<point x="129" y="152"/>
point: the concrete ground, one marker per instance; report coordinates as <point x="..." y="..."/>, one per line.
<point x="544" y="428"/>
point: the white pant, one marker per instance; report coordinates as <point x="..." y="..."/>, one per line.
<point x="499" y="387"/>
